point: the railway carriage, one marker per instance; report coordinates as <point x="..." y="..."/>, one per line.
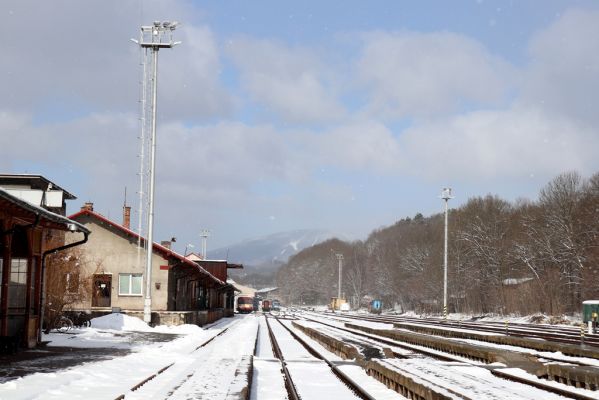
<point x="266" y="305"/>
<point x="245" y="304"/>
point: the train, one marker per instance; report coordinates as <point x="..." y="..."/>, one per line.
<point x="266" y="305"/>
<point x="245" y="304"/>
<point x="276" y="305"/>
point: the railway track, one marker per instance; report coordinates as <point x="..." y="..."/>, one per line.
<point x="184" y="378"/>
<point x="463" y="379"/>
<point x="568" y="335"/>
<point x="352" y="389"/>
<point x="541" y="355"/>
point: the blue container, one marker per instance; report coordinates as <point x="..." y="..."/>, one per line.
<point x="376" y="306"/>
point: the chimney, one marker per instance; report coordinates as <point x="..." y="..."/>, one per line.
<point x="127" y="217"/>
<point x="88" y="206"/>
<point x="166" y="243"/>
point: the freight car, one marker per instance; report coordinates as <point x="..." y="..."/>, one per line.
<point x="266" y="305"/>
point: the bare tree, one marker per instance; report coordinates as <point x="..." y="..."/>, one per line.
<point x="65" y="284"/>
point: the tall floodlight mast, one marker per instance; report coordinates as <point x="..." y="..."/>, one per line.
<point x="340" y="259"/>
<point x="445" y="195"/>
<point x="152" y="38"/>
<point x="204" y="235"/>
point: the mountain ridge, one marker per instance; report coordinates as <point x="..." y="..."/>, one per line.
<point x="272" y="250"/>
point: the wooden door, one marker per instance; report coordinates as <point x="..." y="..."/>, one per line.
<point x="102" y="290"/>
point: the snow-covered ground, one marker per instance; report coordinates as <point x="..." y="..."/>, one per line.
<point x="110" y="378"/>
<point x="180" y="367"/>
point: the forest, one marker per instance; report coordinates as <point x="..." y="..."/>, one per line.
<point x="520" y="257"/>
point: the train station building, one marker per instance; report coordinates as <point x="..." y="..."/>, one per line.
<point x="32" y="227"/>
<point x="184" y="290"/>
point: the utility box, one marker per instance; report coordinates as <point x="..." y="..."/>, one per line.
<point x="336" y="303"/>
<point x="590" y="311"/>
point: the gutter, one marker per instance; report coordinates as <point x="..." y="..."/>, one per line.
<point x="43" y="276"/>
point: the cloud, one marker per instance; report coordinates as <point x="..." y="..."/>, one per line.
<point x="289" y="81"/>
<point x="563" y="76"/>
<point x="409" y="74"/>
<point x="366" y="146"/>
<point x="69" y="58"/>
<point x="504" y="144"/>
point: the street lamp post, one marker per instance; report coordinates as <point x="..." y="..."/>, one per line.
<point x="445" y="195"/>
<point x="340" y="258"/>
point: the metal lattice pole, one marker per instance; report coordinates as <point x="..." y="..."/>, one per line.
<point x="204" y="235"/>
<point x="153" y="38"/>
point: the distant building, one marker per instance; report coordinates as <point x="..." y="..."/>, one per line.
<point x="183" y="291"/>
<point x="32" y="226"/>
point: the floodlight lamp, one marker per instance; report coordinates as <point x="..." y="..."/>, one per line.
<point x="446" y="194"/>
<point x="166" y="24"/>
<point x="72" y="227"/>
<point x="156" y="24"/>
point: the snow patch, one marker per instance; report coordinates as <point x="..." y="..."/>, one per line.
<point x="120" y="322"/>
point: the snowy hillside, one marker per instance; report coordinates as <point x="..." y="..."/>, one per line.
<point x="271" y="250"/>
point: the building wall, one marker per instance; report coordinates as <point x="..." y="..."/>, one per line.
<point x="111" y="253"/>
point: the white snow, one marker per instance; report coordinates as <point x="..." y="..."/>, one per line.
<point x="110" y="378"/>
<point x="268" y="383"/>
<point x="470" y="381"/>
<point x="120" y="322"/>
<point x="209" y="372"/>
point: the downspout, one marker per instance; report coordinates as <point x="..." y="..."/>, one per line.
<point x="43" y="275"/>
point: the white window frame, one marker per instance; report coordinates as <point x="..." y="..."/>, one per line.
<point x="129" y="293"/>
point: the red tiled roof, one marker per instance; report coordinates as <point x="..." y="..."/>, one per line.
<point x="164" y="251"/>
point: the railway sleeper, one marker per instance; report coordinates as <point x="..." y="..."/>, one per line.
<point x="404" y="384"/>
<point x="240" y="387"/>
<point x="338" y="347"/>
<point x="576" y="376"/>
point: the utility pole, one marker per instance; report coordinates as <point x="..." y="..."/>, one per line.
<point x="153" y="38"/>
<point x="204" y="235"/>
<point x="340" y="258"/>
<point x="445" y="195"/>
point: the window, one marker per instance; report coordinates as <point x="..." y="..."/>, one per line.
<point x="130" y="284"/>
<point x="17" y="286"/>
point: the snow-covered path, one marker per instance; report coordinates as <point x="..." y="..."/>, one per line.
<point x="206" y="373"/>
<point x="267" y="382"/>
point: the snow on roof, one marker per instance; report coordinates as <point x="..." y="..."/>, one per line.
<point x="244" y="290"/>
<point x="590" y="302"/>
<point x="266" y="290"/>
<point x="515" y="281"/>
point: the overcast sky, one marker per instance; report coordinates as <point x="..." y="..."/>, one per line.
<point x="338" y="115"/>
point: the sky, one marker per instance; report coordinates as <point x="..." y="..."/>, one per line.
<point x="274" y="116"/>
